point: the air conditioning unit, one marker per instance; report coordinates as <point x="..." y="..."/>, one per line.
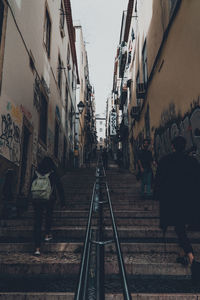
<point x="141" y="91"/>
<point x="135" y="111"/>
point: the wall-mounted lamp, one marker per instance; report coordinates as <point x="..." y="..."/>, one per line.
<point x="80" y="106"/>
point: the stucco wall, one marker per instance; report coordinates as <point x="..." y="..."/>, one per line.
<point x="173" y="93"/>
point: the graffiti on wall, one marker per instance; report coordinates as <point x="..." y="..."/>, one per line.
<point x="10" y="138"/>
<point x="26" y="112"/>
<point x="172" y="126"/>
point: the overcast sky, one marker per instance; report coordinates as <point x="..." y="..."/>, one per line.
<point x="101" y="22"/>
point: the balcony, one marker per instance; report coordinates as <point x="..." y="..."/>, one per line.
<point x="123" y="98"/>
<point x="135" y="112"/>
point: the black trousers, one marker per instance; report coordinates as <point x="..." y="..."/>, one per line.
<point x="42" y="211"/>
<point x="184" y="242"/>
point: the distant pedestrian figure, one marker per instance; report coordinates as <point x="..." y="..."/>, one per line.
<point x="41" y="206"/>
<point x="177" y="189"/>
<point x="145" y="161"/>
<point x="88" y="159"/>
<point x="105" y="158"/>
<point x="119" y="158"/>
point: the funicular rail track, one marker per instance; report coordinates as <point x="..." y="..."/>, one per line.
<point x="92" y="272"/>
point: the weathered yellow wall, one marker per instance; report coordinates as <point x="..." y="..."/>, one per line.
<point x="175" y="86"/>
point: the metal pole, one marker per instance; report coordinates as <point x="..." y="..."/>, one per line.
<point x="126" y="293"/>
<point x="100" y="252"/>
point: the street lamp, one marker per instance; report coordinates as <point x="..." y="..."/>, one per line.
<point x="80" y="106"/>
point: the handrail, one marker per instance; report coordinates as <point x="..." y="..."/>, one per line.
<point x="87" y="239"/>
<point x="81" y="292"/>
<point x="126" y="292"/>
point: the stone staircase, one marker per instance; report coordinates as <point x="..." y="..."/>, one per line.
<point x="150" y="263"/>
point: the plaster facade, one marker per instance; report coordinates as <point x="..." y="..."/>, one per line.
<point x="30" y="73"/>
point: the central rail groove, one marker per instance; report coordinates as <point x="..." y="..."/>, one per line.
<point x="92" y="274"/>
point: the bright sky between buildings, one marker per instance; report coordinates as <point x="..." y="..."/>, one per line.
<point x="101" y="22"/>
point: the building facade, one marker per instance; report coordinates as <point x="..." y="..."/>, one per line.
<point x="85" y="121"/>
<point x="122" y="86"/>
<point x="160" y="63"/>
<point x="101" y="130"/>
<point x="38" y="78"/>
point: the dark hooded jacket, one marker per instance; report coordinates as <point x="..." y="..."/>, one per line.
<point x="177" y="187"/>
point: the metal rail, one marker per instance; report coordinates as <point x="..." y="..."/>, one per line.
<point x="91" y="276"/>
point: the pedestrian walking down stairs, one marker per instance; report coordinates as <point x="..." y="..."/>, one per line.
<point x="151" y="266"/>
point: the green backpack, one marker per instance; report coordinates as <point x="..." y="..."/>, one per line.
<point x="41" y="187"/>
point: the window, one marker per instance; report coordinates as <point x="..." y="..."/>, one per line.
<point x="172" y="4"/>
<point x="3" y="17"/>
<point x="31" y="62"/>
<point x="137" y="82"/>
<point x="68" y="57"/>
<point x="56" y="138"/>
<point x="66" y="97"/>
<point x="144" y="62"/>
<point x="59" y="73"/>
<point x="71" y="118"/>
<point x="147" y="123"/>
<point x="47" y="32"/>
<point x="62" y="16"/>
<point x="2" y="7"/>
<point x="101" y="122"/>
<point x="43" y="118"/>
<point x="101" y="129"/>
<point x="72" y="80"/>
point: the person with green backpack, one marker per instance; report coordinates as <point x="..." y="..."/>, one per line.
<point x="44" y="185"/>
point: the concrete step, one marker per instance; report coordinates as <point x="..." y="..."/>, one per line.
<point x="83" y="221"/>
<point x="126" y="247"/>
<point x="70" y="296"/>
<point x="66" y="232"/>
<point x="69" y="263"/>
<point x="77" y="213"/>
<point x="61" y="288"/>
<point x="118" y="206"/>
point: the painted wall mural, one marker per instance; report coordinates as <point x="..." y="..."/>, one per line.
<point x="10" y="132"/>
<point x="173" y="125"/>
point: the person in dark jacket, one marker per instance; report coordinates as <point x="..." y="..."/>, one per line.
<point x="177" y="189"/>
<point x="41" y="207"/>
<point x="105" y="158"/>
<point x="145" y="161"/>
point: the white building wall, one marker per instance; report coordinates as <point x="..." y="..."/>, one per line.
<point x="17" y="93"/>
<point x="101" y="129"/>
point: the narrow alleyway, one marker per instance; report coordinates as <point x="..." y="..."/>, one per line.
<point x="150" y="267"/>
